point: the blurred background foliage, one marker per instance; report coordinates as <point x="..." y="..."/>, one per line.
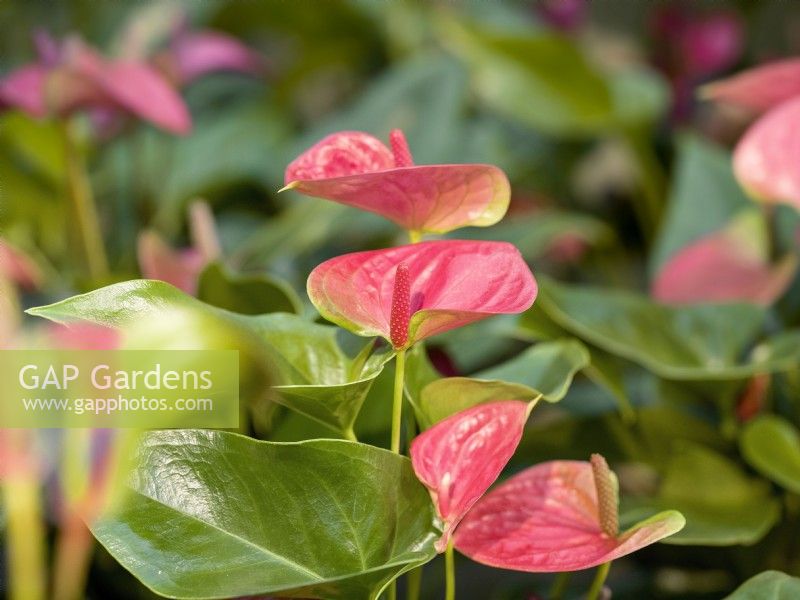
<point x="592" y="111"/>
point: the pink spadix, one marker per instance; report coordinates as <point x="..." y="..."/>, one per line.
<point x="401" y="308"/>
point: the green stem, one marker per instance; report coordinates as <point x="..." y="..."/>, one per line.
<point x="350" y="435"/>
<point x="560" y="584"/>
<point x="80" y="194"/>
<point x="26" y="554"/>
<point x="449" y="572"/>
<point x="414" y="584"/>
<point x="397" y="403"/>
<point x="599" y="581"/>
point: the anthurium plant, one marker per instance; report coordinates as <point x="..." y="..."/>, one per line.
<point x="509" y="301"/>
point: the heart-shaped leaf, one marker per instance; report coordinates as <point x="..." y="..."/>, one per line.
<point x="769" y="585"/>
<point x="543" y="371"/>
<point x="722" y="505"/>
<point x="452" y="283"/>
<point x="356" y="169"/>
<point x="315" y="376"/>
<point x="218" y="515"/>
<point x="697" y="342"/>
<point x="250" y="294"/>
<point x="772" y="446"/>
<point x="460" y="457"/>
<point x="763" y="158"/>
<point x="546" y="519"/>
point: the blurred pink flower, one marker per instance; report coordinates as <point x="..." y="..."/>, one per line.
<point x="193" y="54"/>
<point x="18" y="267"/>
<point x="726" y="266"/>
<point x="181" y="267"/>
<point x="765" y="159"/>
<point x="71" y="76"/>
<point x="691" y="45"/>
<point x="566" y="15"/>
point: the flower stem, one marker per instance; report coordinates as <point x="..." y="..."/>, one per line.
<point x="414" y="584"/>
<point x="599" y="581"/>
<point x="560" y="584"/>
<point x="397" y="403"/>
<point x="80" y="194"/>
<point x="26" y="554"/>
<point x="449" y="572"/>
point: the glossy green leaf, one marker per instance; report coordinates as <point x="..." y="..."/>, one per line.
<point x="697" y="342"/>
<point x="723" y="506"/>
<point x="218" y="515"/>
<point x="250" y="294"/>
<point x="769" y="585"/>
<point x="542" y="80"/>
<point x="703" y="199"/>
<point x="316" y="377"/>
<point x="772" y="446"/>
<point x="544" y="371"/>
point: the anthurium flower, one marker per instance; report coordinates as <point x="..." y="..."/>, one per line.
<point x="726" y="266"/>
<point x="357" y="169"/>
<point x="765" y="159"/>
<point x="79" y="78"/>
<point x="433" y="286"/>
<point x="760" y="88"/>
<point x="460" y="457"/>
<point x="181" y="267"/>
<point x="18" y="267"/>
<point x="556" y="516"/>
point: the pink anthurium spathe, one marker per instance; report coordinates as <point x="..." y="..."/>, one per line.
<point x="459" y="458"/>
<point x="73" y="77"/>
<point x="556" y="516"/>
<point x="430" y="287"/>
<point x="725" y="266"/>
<point x="357" y="169"/>
<point x="760" y="88"/>
<point x="181" y="267"/>
<point x="193" y="54"/>
<point x="19" y="268"/>
<point x="765" y="159"/>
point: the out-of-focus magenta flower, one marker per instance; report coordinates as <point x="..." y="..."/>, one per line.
<point x="566" y="15"/>
<point x="691" y="45"/>
<point x="18" y="267"/>
<point x="758" y="89"/>
<point x="408" y="293"/>
<point x="765" y="159"/>
<point x="182" y="267"/>
<point x="71" y="76"/>
<point x="460" y="457"/>
<point x="726" y="266"/>
<point x="556" y="516"/>
<point x="83" y="336"/>
<point x="358" y="170"/>
<point x="193" y="54"/>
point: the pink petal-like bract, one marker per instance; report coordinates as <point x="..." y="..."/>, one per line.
<point x="545" y="520"/>
<point x="358" y="170"/>
<point x="24" y="89"/>
<point x="719" y="268"/>
<point x="84" y="336"/>
<point x="460" y="457"/>
<point x="180" y="268"/>
<point x="18" y="267"/>
<point x="338" y="155"/>
<point x="765" y="160"/>
<point x="198" y="53"/>
<point x="452" y="283"/>
<point x="142" y="91"/>
<point x="760" y="88"/>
